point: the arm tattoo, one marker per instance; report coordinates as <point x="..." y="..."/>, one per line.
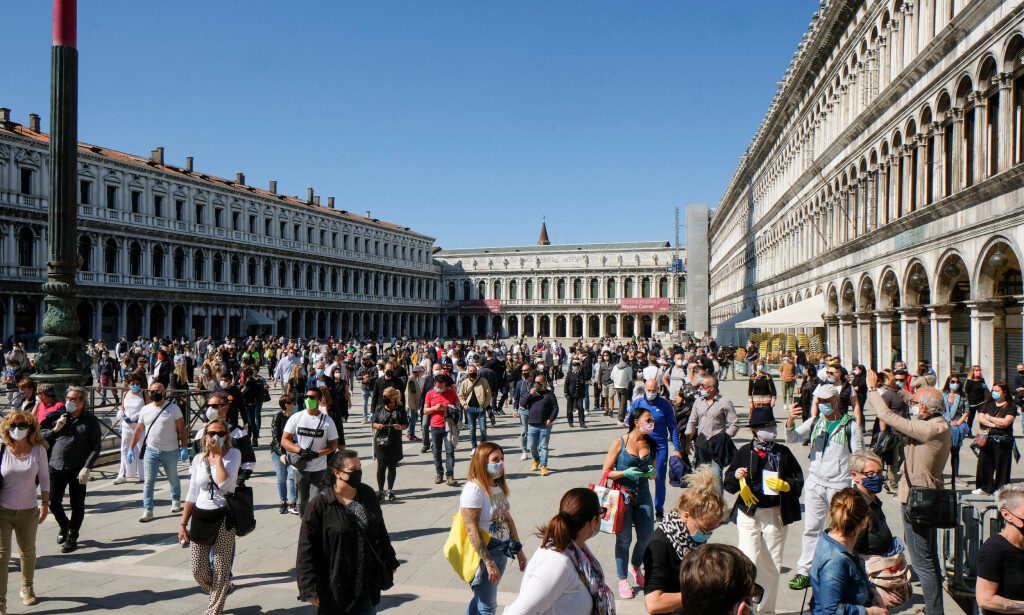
<point x="1005" y="605"/>
<point x="471" y="516"/>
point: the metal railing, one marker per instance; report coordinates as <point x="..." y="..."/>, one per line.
<point x="959" y="548"/>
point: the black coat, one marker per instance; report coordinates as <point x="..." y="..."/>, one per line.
<point x="575" y="384"/>
<point x="789" y="471"/>
<point x="327" y="552"/>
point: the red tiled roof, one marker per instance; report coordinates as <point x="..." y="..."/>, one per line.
<point x="43" y="137"/>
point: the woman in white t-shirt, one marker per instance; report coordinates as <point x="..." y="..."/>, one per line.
<point x="131" y="405"/>
<point x="564" y="577"/>
<point x="484" y="506"/>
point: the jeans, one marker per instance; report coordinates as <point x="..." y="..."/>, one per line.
<point x="477" y="419"/>
<point x="254" y="416"/>
<point x="539" y="435"/>
<point x="524" y="429"/>
<point x="285" y="479"/>
<point x="639" y="514"/>
<point x="309" y="486"/>
<point x="61" y="480"/>
<point x="703" y="456"/>
<point x="367" y="396"/>
<point x="485" y="593"/>
<point x="622" y="399"/>
<point x="922" y="545"/>
<point x="586" y="402"/>
<point x="413" y="419"/>
<point x="440" y="442"/>
<point x="661" y="465"/>
<point x="152" y="462"/>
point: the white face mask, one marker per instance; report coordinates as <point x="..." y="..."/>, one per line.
<point x="19" y="433"/>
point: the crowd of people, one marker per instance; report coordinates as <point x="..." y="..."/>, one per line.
<point x="675" y="426"/>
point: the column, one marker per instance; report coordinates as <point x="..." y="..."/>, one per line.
<point x="957" y="157"/>
<point x="1005" y="121"/>
<point x="938" y="162"/>
<point x="907" y="152"/>
<point x="922" y="168"/>
<point x="893" y="183"/>
<point x="302" y="324"/>
<point x="980" y="132"/>
<point x="847" y="341"/>
<point x="146" y="333"/>
<point x="883" y="329"/>
<point x="9" y="321"/>
<point x="122" y="319"/>
<point x="871" y="201"/>
<point x="881" y="198"/>
<point x="458" y="325"/>
<point x="832" y="328"/>
<point x="188" y="321"/>
<point x="940" y="315"/>
<point x="864" y="339"/>
<point x="983" y="337"/>
<point x="909" y="321"/>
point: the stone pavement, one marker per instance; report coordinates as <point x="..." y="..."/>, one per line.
<point x="124" y="565"/>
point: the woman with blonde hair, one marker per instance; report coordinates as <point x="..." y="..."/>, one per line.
<point x="178" y="389"/>
<point x="390" y="419"/>
<point x="214" y="472"/>
<point x="484" y="506"/>
<point x="296" y="386"/>
<point x="23" y="466"/>
<point x="839" y="580"/>
<point x="700" y="511"/>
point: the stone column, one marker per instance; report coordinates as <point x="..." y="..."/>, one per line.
<point x="940" y="314"/>
<point x="97" y="320"/>
<point x="883" y="63"/>
<point x="894" y="182"/>
<point x="883" y="328"/>
<point x="864" y="338"/>
<point x="938" y="162"/>
<point x="882" y="197"/>
<point x="1005" y="122"/>
<point x="847" y="340"/>
<point x="980" y="138"/>
<point x="188" y="321"/>
<point x="871" y="201"/>
<point x="832" y="329"/>
<point x="957" y="156"/>
<point x="146" y="332"/>
<point x="922" y="170"/>
<point x="909" y="321"/>
<point x="983" y="315"/>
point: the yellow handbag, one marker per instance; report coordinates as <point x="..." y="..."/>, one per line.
<point x="459" y="552"/>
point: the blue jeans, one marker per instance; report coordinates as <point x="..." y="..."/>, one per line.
<point x="285" y="479"/>
<point x="413" y="419"/>
<point x="639" y="514"/>
<point x="367" y="396"/>
<point x="151" y="464"/>
<point x="485" y="593"/>
<point x="524" y="428"/>
<point x="477" y="419"/>
<point x="661" y="465"/>
<point x="539" y="436"/>
<point x="440" y="442"/>
<point x="254" y="416"/>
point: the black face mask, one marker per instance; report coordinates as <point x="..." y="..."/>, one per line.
<point x="355" y="478"/>
<point x="389" y="373"/>
<point x="156" y="395"/>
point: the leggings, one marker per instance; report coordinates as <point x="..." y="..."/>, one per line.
<point x="216" y="582"/>
<point x="391" y="467"/>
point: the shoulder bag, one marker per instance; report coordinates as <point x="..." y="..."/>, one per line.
<point x="145" y="436"/>
<point x="296" y="460"/>
<point x="241" y="514"/>
<point x="460" y="552"/>
<point x="930" y="508"/>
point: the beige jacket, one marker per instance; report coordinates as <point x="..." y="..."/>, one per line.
<point x="787" y="371"/>
<point x="483" y="392"/>
<point x="928" y="445"/>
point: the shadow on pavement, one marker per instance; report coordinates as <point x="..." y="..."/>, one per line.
<point x="418" y="533"/>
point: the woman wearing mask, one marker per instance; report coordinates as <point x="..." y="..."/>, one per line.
<point x="956" y="414"/>
<point x="484" y="506"/>
<point x="204" y="379"/>
<point x="769" y="480"/>
<point x="131" y="405"/>
<point x="630" y="463"/>
<point x="882" y="553"/>
<point x="213" y="473"/>
<point x="389" y="421"/>
<point x="996" y="419"/>
<point x="285" y="473"/>
<point x="839" y="580"/>
<point x="345" y="558"/>
<point x="976" y="390"/>
<point x="700" y="511"/>
<point x="297" y="382"/>
<point x="177" y="391"/>
<point x="761" y="387"/>
<point x="25" y="474"/>
<point x="860" y="392"/>
<point x="563" y="576"/>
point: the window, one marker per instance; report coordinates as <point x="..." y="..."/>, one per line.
<point x="344" y="240"/>
<point x="236" y="270"/>
<point x="179" y="264"/>
<point x="295" y="232"/>
<point x="179" y="210"/>
<point x="110" y="256"/>
<point x="218" y="268"/>
<point x="26" y="246"/>
<point x="451" y="291"/>
<point x="252" y="224"/>
<point x="218" y="217"/>
<point x="135" y="258"/>
<point x="529" y="290"/>
<point x="282" y="275"/>
<point x="323" y="238"/>
<point x="545" y="289"/>
<point x="612" y="290"/>
<point x="357" y="244"/>
<point x="663" y="287"/>
<point x="266" y="230"/>
<point x="136" y="201"/>
<point x="236" y="221"/>
<point x="199" y="213"/>
<point x="284" y="231"/>
<point x="645" y="287"/>
<point x="593" y="288"/>
<point x="561" y="289"/>
<point x="513" y="290"/>
<point x="577" y="289"/>
<point x="111" y="197"/>
<point x="334" y="240"/>
<point x="158" y="262"/>
<point x="376" y="248"/>
<point x="83" y="191"/>
<point x="158" y="206"/>
<point x="26" y="181"/>
<point x="481" y="290"/>
<point x="465" y="289"/>
<point x="85" y="251"/>
<point x="309" y="235"/>
<point x="627" y="288"/>
<point x="199" y="265"/>
<point x="497" y="290"/>
<point x="267" y="273"/>
<point x="252" y="272"/>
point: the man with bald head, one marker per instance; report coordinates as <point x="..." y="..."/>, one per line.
<point x="664" y="430"/>
<point x="927" y="450"/>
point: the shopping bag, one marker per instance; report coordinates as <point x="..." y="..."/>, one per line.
<point x="459" y="552"/>
<point x="614" y="500"/>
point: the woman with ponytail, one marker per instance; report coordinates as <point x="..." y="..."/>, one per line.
<point x="700" y="511"/>
<point x="839" y="580"/>
<point x="563" y="576"/>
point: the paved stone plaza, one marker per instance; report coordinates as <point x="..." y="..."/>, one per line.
<point x="124" y="565"/>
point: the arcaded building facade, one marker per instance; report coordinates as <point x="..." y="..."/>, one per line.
<point x="886" y="176"/>
<point x="168" y="250"/>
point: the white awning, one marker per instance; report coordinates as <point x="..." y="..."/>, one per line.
<point x="726" y="332"/>
<point x="252" y="317"/>
<point x="806" y="313"/>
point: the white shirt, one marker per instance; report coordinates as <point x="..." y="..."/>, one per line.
<point x="163" y="433"/>
<point x="551" y="586"/>
<point x="493" y="509"/>
<point x="199" y="481"/>
<point x="312" y="432"/>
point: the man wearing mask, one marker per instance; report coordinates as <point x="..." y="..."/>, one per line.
<point x="162" y="368"/>
<point x="523" y="387"/>
<point x="367" y="375"/>
<point x="575" y="391"/>
<point x="389" y="379"/>
<point x="929" y="442"/>
<point x="542" y="407"/>
<point x="283" y="371"/>
<point x="475" y="395"/>
<point x="236" y="411"/>
<point x="712" y="418"/>
<point x="604" y="382"/>
<point x="664" y="431"/>
<point x="313" y="436"/>
<point x="75" y="438"/>
<point x="162" y="425"/>
<point x="622" y="382"/>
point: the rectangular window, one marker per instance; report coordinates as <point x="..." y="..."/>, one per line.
<point x="136" y="201"/>
<point x="235" y="223"/>
<point x="83" y="191"/>
<point x="252" y="224"/>
<point x="111" y="197"/>
<point x="295" y="232"/>
<point x="199" y="213"/>
<point x="218" y="217"/>
<point x="179" y="210"/>
<point x="26" y="181"/>
<point x="158" y="206"/>
<point x="266" y="229"/>
<point x="284" y="230"/>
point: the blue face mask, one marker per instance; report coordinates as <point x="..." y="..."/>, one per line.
<point x="899" y="384"/>
<point x="996" y="395"/>
<point x="954" y="386"/>
<point x="135" y="388"/>
<point x="825" y="408"/>
<point x="700" y="537"/>
<point x="319" y="372"/>
<point x="220" y="441"/>
<point x="873" y="485"/>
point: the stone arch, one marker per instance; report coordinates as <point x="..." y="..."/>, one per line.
<point x="847" y="297"/>
<point x="952" y="278"/>
<point x="832" y="300"/>
<point x="889" y="289"/>
<point x="866" y="293"/>
<point x="998" y="262"/>
<point x="916" y="284"/>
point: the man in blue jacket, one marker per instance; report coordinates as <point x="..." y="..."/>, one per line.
<point x="542" y="407"/>
<point x="664" y="429"/>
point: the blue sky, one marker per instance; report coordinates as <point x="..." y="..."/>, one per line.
<point x="466" y="121"/>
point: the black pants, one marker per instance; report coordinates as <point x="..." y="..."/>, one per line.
<point x="391" y="467"/>
<point x="59" y="481"/>
<point x="309" y="485"/>
<point x="577" y="405"/>
<point x="993" y="465"/>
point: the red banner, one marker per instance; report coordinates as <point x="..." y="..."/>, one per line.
<point x="650" y="304"/>
<point x="480" y="305"/>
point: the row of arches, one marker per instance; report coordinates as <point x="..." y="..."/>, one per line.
<point x="563" y="288"/>
<point x="560" y="325"/>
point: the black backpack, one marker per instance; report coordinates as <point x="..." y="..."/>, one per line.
<point x="260" y="382"/>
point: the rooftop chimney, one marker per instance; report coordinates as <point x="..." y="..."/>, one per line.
<point x="330" y="202"/>
<point x="367" y="213"/>
<point x="157" y="155"/>
<point x="33" y="122"/>
<point x="273" y="187"/>
<point x="316" y="201"/>
<point x="309" y="195"/>
<point x="188" y="163"/>
<point x="240" y="179"/>
<point x="5" y="115"/>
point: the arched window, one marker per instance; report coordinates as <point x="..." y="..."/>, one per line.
<point x="577" y="289"/>
<point x="545" y="290"/>
<point x="110" y="256"/>
<point x="561" y="289"/>
<point x="594" y="288"/>
<point x="296" y="277"/>
<point x="513" y="290"/>
<point x="612" y="290"/>
<point x="663" y="287"/>
<point x="321" y="279"/>
<point x="529" y="290"/>
<point x="645" y="287"/>
<point x="334" y="279"/>
<point x="199" y="265"/>
<point x="282" y="275"/>
<point x="309" y="278"/>
<point x="26" y="247"/>
<point x="252" y="272"/>
<point x="268" y="274"/>
<point x="236" y="270"/>
<point x="158" y="262"/>
<point x="481" y="289"/>
<point x="179" y="264"/>
<point x="85" y="251"/>
<point x="681" y="288"/>
<point x="451" y="291"/>
<point x="218" y="267"/>
<point x="465" y="289"/>
<point x="627" y="288"/>
<point x="496" y="290"/>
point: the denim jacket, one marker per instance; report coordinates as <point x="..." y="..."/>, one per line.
<point x="839" y="581"/>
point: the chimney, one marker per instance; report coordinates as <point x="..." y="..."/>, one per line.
<point x="5" y="115"/>
<point x="188" y="163"/>
<point x="330" y="202"/>
<point x="157" y="155"/>
<point x="240" y="179"/>
<point x="33" y="122"/>
<point x="309" y="195"/>
<point x="316" y="201"/>
<point x="367" y="213"/>
<point x="273" y="187"/>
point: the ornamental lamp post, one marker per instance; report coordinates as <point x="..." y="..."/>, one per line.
<point x="62" y="360"/>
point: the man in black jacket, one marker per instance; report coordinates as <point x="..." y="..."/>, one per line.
<point x="497" y="366"/>
<point x="575" y="392"/>
<point x="542" y="408"/>
<point x="74" y="437"/>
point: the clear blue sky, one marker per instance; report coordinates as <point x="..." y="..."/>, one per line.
<point x="466" y="121"/>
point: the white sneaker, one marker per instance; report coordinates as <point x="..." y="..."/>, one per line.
<point x="977" y="492"/>
<point x="175" y="506"/>
<point x="120" y="480"/>
<point x="147" y="515"/>
<point x="525" y="456"/>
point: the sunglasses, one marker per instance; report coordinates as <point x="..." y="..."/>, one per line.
<point x="758" y="593"/>
<point x="20" y="425"/>
<point x="871" y="474"/>
<point x="216" y="433"/>
<point x="215" y="405"/>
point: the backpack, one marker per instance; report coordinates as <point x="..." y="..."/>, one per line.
<point x="260" y="382"/>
